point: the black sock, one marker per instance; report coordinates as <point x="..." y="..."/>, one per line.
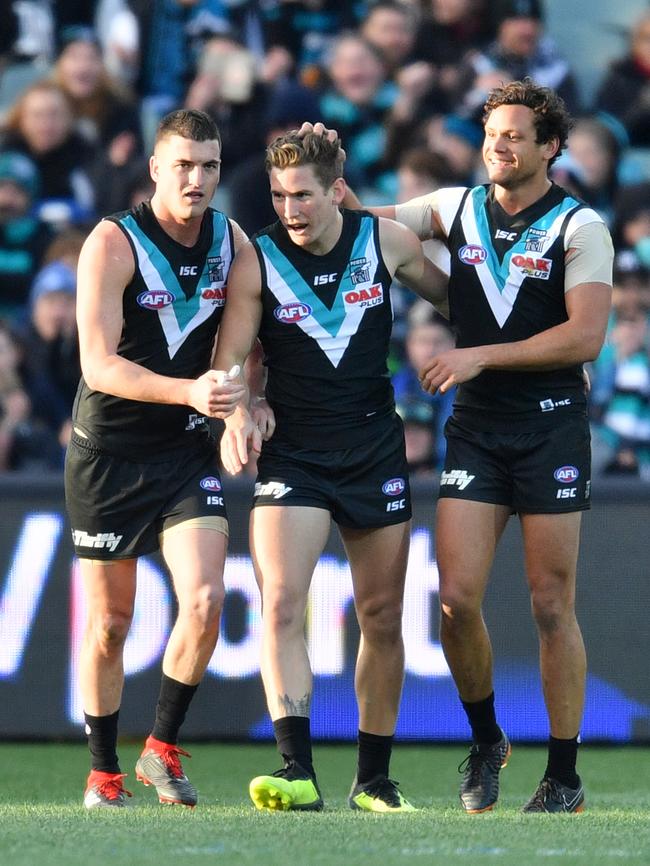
<point x="293" y="736"/>
<point x="483" y="720"/>
<point x="102" y="742"/>
<point x="374" y="756"/>
<point x="562" y="755"/>
<point x="173" y="701"/>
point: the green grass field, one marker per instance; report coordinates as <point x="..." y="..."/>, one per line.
<point x="42" y="822"/>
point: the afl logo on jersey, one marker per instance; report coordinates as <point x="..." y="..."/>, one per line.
<point x="472" y="254"/>
<point x="566" y="474"/>
<point x="291" y="314"/>
<point x="393" y="487"/>
<point x="211" y="483"/>
<point x="155" y="299"/>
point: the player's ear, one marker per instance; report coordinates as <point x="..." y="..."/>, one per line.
<point x="153" y="168"/>
<point x="338" y="191"/>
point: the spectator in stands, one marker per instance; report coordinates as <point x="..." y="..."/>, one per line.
<point x="448" y="30"/>
<point x="459" y="140"/>
<point x="298" y="35"/>
<point x="419" y="438"/>
<point x="625" y="90"/>
<point x="51" y="353"/>
<point x="428" y="335"/>
<point x="590" y="166"/>
<point x="103" y="112"/>
<point x="41" y="126"/>
<point x="226" y="87"/>
<point x="620" y="397"/>
<point x="631" y="230"/>
<point x="521" y="49"/>
<point x="390" y="26"/>
<point x="358" y="104"/>
<point x="251" y="206"/>
<point x="24" y="443"/>
<point x="23" y="237"/>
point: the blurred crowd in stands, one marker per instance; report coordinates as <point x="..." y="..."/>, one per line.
<point x="84" y="84"/>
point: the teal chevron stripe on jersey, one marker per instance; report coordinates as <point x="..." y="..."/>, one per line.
<point x="331" y="328"/>
<point x="184" y="315"/>
<point x="501" y="280"/>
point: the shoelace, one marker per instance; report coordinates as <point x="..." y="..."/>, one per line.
<point x="547" y="790"/>
<point x="475" y="760"/>
<point x="290" y="770"/>
<point x="385" y="789"/>
<point x="170" y="756"/>
<point x="112" y="788"/>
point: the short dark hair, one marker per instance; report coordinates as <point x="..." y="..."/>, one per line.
<point x="188" y="123"/>
<point x="288" y="151"/>
<point x="551" y="120"/>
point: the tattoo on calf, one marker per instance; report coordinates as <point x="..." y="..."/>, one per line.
<point x="299" y="707"/>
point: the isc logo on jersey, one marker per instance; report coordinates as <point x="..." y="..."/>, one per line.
<point x="533" y="266"/>
<point x="290" y="314"/>
<point x="217" y="295"/>
<point x="155" y="299"/>
<point x="472" y="254"/>
<point x="370" y="297"/>
<point x="211" y="483"/>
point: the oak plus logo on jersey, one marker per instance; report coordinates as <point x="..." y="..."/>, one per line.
<point x="216" y="294"/>
<point x="155" y="299"/>
<point x="370" y="297"/>
<point x="291" y="314"/>
<point x="533" y="266"/>
<point x="472" y="254"/>
<point x="211" y="483"/>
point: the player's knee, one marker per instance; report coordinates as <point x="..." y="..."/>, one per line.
<point x="550" y="611"/>
<point x="380" y="620"/>
<point x="284" y="611"/>
<point x="458" y="608"/>
<point x="110" y="632"/>
<point x="205" y="607"/>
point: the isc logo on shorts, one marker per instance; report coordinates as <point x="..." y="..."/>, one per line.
<point x="210" y="483"/>
<point x="393" y="487"/>
<point x="155" y="299"/>
<point x="472" y="254"/>
<point x="290" y="314"/>
<point x="369" y="297"/>
<point x="566" y="474"/>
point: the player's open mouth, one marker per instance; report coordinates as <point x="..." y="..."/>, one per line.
<point x="194" y="196"/>
<point x="297" y="227"/>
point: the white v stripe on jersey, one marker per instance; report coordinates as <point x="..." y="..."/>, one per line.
<point x="502" y="301"/>
<point x="174" y="334"/>
<point x="333" y="346"/>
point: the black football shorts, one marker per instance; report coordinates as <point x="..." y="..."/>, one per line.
<point x="540" y="472"/>
<point x="118" y="508"/>
<point x="362" y="487"/>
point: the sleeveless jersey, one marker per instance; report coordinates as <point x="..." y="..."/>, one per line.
<point x="507" y="284"/>
<point x="325" y="331"/>
<point x="172" y="308"/>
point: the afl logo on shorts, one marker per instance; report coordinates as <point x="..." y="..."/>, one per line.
<point x="472" y="254"/>
<point x="394" y="487"/>
<point x="155" y="300"/>
<point x="566" y="474"/>
<point x="211" y="483"/>
<point x="290" y="314"/>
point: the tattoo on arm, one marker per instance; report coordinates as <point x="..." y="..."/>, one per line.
<point x="299" y="707"/>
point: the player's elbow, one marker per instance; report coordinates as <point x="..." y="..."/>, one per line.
<point x="591" y="343"/>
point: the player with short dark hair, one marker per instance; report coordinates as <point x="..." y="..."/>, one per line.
<point x="142" y="470"/>
<point x="529" y="296"/>
<point x="316" y="285"/>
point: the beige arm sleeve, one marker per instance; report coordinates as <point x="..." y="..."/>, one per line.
<point x="416" y="214"/>
<point x="590" y="256"/>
